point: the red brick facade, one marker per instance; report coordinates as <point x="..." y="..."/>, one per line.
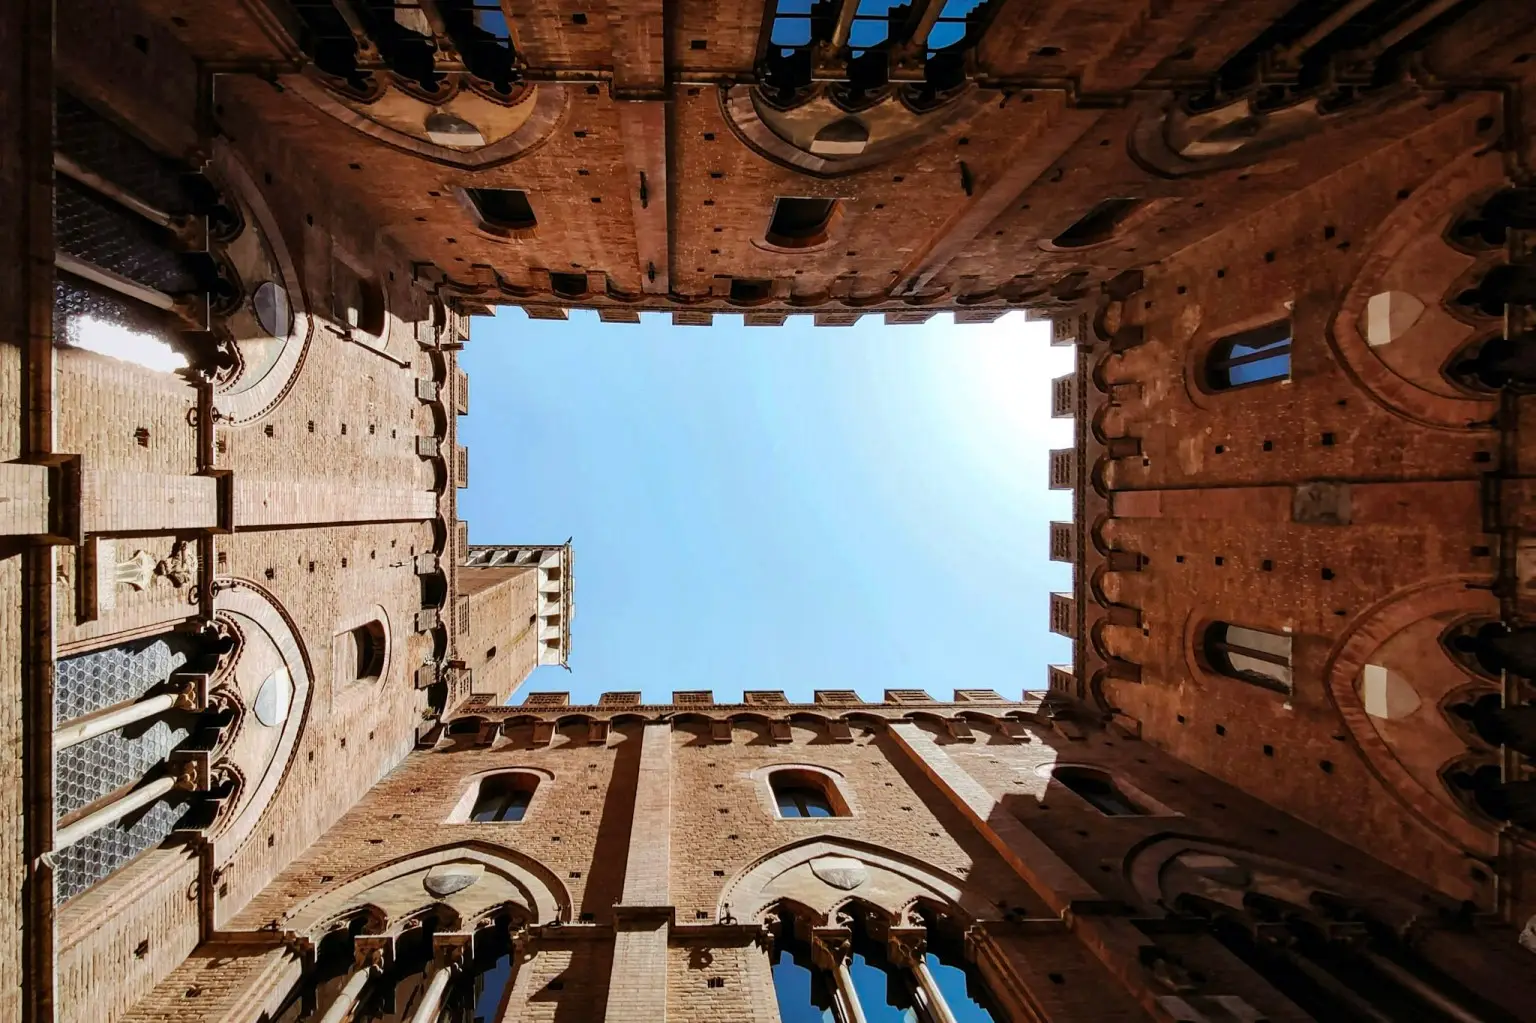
<point x="253" y="673"/>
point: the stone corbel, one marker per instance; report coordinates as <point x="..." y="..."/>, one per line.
<point x="831" y="946"/>
<point x="906" y="946"/>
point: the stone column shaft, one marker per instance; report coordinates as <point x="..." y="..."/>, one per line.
<point x="342" y="1007"/>
<point x="936" y="1003"/>
<point x="108" y="719"/>
<point x="113" y="811"/>
<point x="432" y="1001"/>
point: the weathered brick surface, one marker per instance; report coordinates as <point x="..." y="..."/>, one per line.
<point x="502" y="645"/>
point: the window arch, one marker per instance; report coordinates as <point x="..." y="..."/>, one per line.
<point x="1249" y="655"/>
<point x="1098" y="225"/>
<point x="799" y="793"/>
<point x="800" y="222"/>
<point x="1099" y="790"/>
<point x="503" y="798"/>
<point x="1251" y="357"/>
<point x="361" y="305"/>
<point x="369" y="644"/>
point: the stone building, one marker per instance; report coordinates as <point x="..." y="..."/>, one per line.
<point x="255" y="676"/>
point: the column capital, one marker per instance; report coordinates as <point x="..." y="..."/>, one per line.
<point x="449" y="950"/>
<point x="906" y="946"/>
<point x="831" y="946"/>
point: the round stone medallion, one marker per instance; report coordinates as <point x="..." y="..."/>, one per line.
<point x="272" y="309"/>
<point x="274" y="698"/>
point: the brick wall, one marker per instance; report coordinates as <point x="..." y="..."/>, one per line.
<point x="502" y="646"/>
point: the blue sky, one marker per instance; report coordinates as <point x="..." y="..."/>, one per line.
<point x="792" y="508"/>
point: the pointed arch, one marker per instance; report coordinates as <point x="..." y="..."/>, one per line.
<point x="857" y="869"/>
<point x="499" y="877"/>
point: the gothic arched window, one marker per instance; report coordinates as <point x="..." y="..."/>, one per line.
<point x="1252" y="357"/>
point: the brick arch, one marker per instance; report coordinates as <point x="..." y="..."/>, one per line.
<point x="544" y="897"/>
<point x="260" y="610"/>
<point x="1474" y="172"/>
<point x="1146" y="863"/>
<point x="739" y="111"/>
<point x="551" y="104"/>
<point x="252" y="403"/>
<point x="1363" y="636"/>
<point x="745" y="895"/>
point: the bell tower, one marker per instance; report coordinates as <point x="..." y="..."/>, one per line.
<point x="519" y="602"/>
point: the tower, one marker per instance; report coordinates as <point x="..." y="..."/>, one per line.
<point x="519" y="601"/>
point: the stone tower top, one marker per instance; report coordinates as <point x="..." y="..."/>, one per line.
<point x="556" y="589"/>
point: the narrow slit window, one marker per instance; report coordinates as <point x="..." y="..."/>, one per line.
<point x="1250" y="655"/>
<point x="1252" y="357"/>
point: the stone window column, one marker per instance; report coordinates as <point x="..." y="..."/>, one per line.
<point x="831" y="948"/>
<point x="190" y="778"/>
<point x="192" y="696"/>
<point x="908" y="946"/>
<point x="448" y="952"/>
<point x="370" y="962"/>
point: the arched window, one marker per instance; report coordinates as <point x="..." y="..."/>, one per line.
<point x="804" y="794"/>
<point x="360" y="302"/>
<point x="1259" y="658"/>
<point x="1097" y="225"/>
<point x="1252" y="357"/>
<point x="503" y="798"/>
<point x="368" y="646"/>
<point x="800" y="222"/>
<point x="1099" y="790"/>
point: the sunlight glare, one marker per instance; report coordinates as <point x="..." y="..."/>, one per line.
<point x="104" y="337"/>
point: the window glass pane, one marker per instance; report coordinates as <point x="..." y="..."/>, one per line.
<point x="791" y="32"/>
<point x="1274" y="368"/>
<point x="794" y="6"/>
<point x="1259" y="669"/>
<point x="801" y="993"/>
<point x="959" y="8"/>
<point x="490" y="987"/>
<point x="493" y="23"/>
<point x="517" y="805"/>
<point x="882" y="994"/>
<point x="1239" y="350"/>
<point x="815" y="804"/>
<point x="955" y="985"/>
<point x="788" y="807"/>
<point x="1278" y="644"/>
